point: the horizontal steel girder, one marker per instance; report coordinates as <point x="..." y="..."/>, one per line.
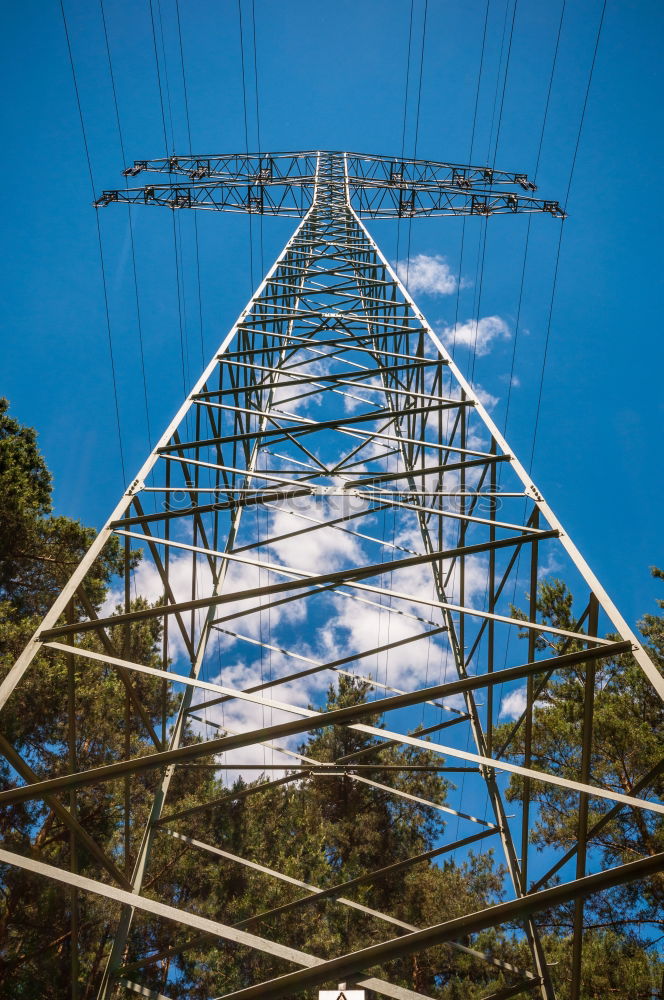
<point x="318" y="971"/>
<point x="331" y="409"/>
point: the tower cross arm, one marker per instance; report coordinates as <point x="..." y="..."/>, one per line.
<point x="231" y="166"/>
<point x="235" y="194"/>
<point x="369" y="169"/>
<point x="285" y="184"/>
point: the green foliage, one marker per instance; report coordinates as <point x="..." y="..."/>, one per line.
<point x="322" y="830"/>
<point x="615" y="966"/>
<point x="38" y="554"/>
<point x="25" y="485"/>
<point x="627" y="742"/>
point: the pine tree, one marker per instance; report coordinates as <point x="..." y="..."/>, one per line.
<point x="38" y="552"/>
<point x="316" y="831"/>
<point x="623" y="927"/>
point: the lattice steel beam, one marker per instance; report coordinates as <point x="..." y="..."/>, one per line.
<point x="378" y="186"/>
<point x="331" y="402"/>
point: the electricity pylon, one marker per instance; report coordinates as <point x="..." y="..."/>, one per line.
<point x="334" y="492"/>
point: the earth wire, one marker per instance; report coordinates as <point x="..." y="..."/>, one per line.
<point x="131" y="227"/>
<point x="99" y="240"/>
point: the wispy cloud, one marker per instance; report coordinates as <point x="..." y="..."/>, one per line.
<point x="513" y="705"/>
<point x="239" y="671"/>
<point x="477" y="334"/>
<point x="427" y="275"/>
<point x="321" y="547"/>
<point x="551" y="565"/>
<point x="485" y="398"/>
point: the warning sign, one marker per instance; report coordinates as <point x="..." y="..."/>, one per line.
<point x="342" y="994"/>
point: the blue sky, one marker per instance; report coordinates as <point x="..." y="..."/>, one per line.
<point x="332" y="75"/>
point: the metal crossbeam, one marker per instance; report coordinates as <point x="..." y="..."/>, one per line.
<point x="332" y="465"/>
<point x="285" y="183"/>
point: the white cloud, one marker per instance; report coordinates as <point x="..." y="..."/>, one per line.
<point x="296" y="398"/>
<point x="353" y="401"/>
<point x="485" y="398"/>
<point x="322" y="549"/>
<point x="147" y="583"/>
<point x="513" y="705"/>
<point x="551" y="566"/>
<point x="338" y="626"/>
<point x="240" y="716"/>
<point x="358" y="625"/>
<point x="477" y="334"/>
<point x="428" y="275"/>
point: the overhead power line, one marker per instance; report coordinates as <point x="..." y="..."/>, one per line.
<point x="470" y="160"/>
<point x="331" y="322"/>
<point x="185" y="90"/>
<point x="99" y="241"/>
<point x="246" y="135"/>
<point x="417" y="121"/>
<point x="405" y="105"/>
<point x="139" y="323"/>
<point x="560" y="238"/>
<point x="166" y="148"/>
<point x="527" y="244"/>
<point x="258" y="117"/>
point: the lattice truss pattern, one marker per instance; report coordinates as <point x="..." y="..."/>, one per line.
<point x="333" y="499"/>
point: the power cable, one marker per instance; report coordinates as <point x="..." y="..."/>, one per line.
<point x="156" y="62"/>
<point x="180" y="295"/>
<point x="507" y="68"/>
<point x="560" y="239"/>
<point x="244" y="86"/>
<point x="417" y="124"/>
<point x="419" y="87"/>
<point x="558" y="249"/>
<point x="549" y="89"/>
<point x="480" y="283"/>
<point x="99" y="240"/>
<point x="405" y="96"/>
<point x="479" y="80"/>
<point x="495" y="154"/>
<point x="166" y="83"/>
<point x="196" y="240"/>
<point x="246" y="144"/>
<point x="177" y="227"/>
<point x="199" y="289"/>
<point x="398" y="243"/>
<point x="530" y="218"/>
<point x="525" y="259"/>
<point x="497" y="88"/>
<point x="258" y="120"/>
<point x="482" y="239"/>
<point x="484" y="234"/>
<point x="184" y="75"/>
<point x="131" y="226"/>
<point x="262" y="259"/>
<point x="405" y="110"/>
<point x="175" y="244"/>
<point x="470" y="160"/>
<point x="517" y="323"/>
<point x="498" y="127"/>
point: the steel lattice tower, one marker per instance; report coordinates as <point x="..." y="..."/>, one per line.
<point x="330" y="410"/>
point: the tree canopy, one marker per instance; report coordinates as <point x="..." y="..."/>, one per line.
<point x="282" y="840"/>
